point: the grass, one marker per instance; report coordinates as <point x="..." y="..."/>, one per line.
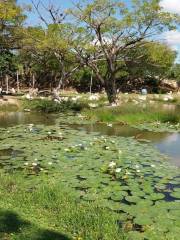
<point x="49" y="106"/>
<point x="133" y="114"/>
<point x="47" y="211"/>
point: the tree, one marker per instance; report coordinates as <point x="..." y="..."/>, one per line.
<point x="11" y="18"/>
<point x="49" y="49"/>
<point x="108" y="31"/>
<point x="155" y="62"/>
<point x="174" y="72"/>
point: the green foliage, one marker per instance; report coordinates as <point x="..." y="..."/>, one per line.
<point x="130" y="114"/>
<point x="155" y="59"/>
<point x="174" y="72"/>
<point x="8" y="63"/>
<point x="50" y="106"/>
<point x="11" y="18"/>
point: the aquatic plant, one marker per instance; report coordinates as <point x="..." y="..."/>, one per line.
<point x="141" y="189"/>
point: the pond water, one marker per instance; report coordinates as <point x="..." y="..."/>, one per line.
<point x="167" y="143"/>
<point x="9" y="119"/>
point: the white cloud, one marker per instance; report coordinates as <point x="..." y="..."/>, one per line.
<point x="172" y="37"/>
<point x="171" y="5"/>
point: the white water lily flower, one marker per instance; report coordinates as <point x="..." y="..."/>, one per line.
<point x="118" y="170"/>
<point x="138" y="170"/>
<point x="152" y="165"/>
<point x="112" y="164"/>
<point x="109" y="124"/>
<point x="26" y="164"/>
<point x="107" y="148"/>
<point x="120" y="152"/>
<point x="50" y="163"/>
<point x="49" y="132"/>
<point x="79" y="145"/>
<point x="34" y="164"/>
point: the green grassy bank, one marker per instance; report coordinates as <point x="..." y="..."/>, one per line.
<point x="46" y="211"/>
<point x="133" y="114"/>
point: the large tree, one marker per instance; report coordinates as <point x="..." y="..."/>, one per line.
<point x="109" y="30"/>
<point x="11" y="19"/>
<point x="49" y="49"/>
<point x="155" y="61"/>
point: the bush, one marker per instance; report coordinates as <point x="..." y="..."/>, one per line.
<point x="50" y="106"/>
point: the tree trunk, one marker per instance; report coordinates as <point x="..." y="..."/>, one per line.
<point x="111" y="91"/>
<point x="7" y="84"/>
<point x="18" y="90"/>
<point x="91" y="83"/>
<point x="33" y="81"/>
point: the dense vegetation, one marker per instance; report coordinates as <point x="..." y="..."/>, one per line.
<point x="94" y="45"/>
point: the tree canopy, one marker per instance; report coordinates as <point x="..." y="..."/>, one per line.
<point x="106" y="38"/>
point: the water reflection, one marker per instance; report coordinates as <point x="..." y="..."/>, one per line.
<point x="170" y="145"/>
<point x="8" y="119"/>
<point x="167" y="143"/>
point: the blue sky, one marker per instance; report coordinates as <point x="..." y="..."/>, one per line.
<point x="172" y="38"/>
<point x="33" y="18"/>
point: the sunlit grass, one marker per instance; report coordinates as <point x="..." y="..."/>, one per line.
<point x="47" y="210"/>
<point x="132" y="114"/>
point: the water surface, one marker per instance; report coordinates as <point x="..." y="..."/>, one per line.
<point x="9" y="119"/>
<point x="167" y="143"/>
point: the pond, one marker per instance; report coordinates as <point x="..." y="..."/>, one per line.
<point x="167" y="143"/>
<point x="131" y="178"/>
<point x="9" y="119"/>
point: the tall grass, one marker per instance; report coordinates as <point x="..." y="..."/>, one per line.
<point x="132" y="114"/>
